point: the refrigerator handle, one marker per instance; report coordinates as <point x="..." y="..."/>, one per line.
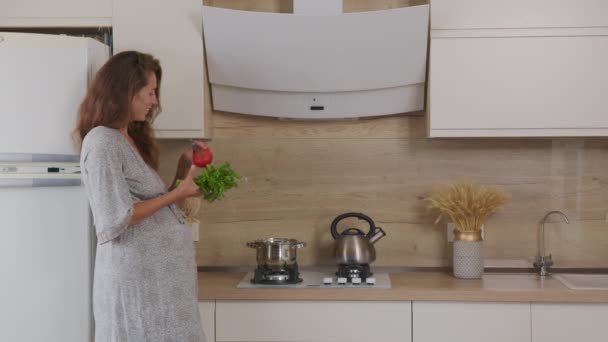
<point x="38" y="157"/>
<point x="37" y="182"/>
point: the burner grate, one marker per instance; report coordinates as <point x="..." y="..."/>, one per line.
<point x="286" y="275"/>
<point x="351" y="271"/>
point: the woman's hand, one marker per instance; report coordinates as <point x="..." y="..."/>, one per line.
<point x="185" y="160"/>
<point x="187" y="187"/>
<point x="199" y="145"/>
<point x="186" y="156"/>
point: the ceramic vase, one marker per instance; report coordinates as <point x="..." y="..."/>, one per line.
<point x="468" y="255"/>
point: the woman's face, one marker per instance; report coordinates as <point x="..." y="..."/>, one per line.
<point x="144" y="100"/>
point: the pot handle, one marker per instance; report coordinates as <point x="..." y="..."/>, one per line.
<point x="253" y="244"/>
<point x="360" y="216"/>
<point x="299" y="244"/>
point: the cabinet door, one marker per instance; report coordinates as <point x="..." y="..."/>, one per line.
<point x="172" y="32"/>
<point x="569" y="322"/>
<point x="207" y="311"/>
<point x="487" y="14"/>
<point x="519" y="86"/>
<point x="470" y="322"/>
<point x="28" y="13"/>
<point x="311" y="321"/>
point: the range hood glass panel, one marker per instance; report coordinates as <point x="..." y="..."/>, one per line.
<point x="291" y="53"/>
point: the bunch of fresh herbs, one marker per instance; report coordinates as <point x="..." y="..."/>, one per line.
<point x="214" y="182"/>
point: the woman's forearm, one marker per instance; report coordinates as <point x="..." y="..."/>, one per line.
<point x="183" y="166"/>
<point x="179" y="202"/>
<point x="187" y="188"/>
<point x="145" y="209"/>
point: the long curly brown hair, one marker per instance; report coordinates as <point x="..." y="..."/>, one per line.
<point x="108" y="99"/>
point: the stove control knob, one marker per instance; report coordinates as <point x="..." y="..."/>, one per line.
<point x="341" y="280"/>
<point x="328" y="280"/>
<point x="370" y="281"/>
<point x="356" y="281"/>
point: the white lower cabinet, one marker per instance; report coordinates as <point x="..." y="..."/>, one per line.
<point x="401" y="321"/>
<point x="207" y="311"/>
<point x="470" y="322"/>
<point x="285" y="321"/>
<point x="569" y="322"/>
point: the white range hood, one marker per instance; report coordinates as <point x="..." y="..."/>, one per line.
<point x="317" y="66"/>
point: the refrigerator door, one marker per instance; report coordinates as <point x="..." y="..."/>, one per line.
<point x="44" y="79"/>
<point x="46" y="245"/>
<point x="45" y="259"/>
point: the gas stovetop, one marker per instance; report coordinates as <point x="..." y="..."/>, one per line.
<point x="323" y="280"/>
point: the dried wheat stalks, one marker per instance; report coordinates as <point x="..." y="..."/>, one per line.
<point x="466" y="203"/>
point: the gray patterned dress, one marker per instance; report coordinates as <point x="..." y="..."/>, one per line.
<point x="145" y="274"/>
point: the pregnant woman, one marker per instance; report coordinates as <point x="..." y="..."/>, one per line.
<point x="145" y="272"/>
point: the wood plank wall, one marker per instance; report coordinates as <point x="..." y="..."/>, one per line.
<point x="297" y="176"/>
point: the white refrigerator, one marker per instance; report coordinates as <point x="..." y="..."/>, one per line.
<point x="46" y="240"/>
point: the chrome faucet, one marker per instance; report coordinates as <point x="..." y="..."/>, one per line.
<point x="543" y="262"/>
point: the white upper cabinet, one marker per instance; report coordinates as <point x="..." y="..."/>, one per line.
<point x="56" y="13"/>
<point x="516" y="86"/>
<point x="522" y="68"/>
<point x="172" y="32"/>
<point x="490" y="14"/>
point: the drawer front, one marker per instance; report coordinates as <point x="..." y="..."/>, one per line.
<point x="487" y="14"/>
<point x="542" y="83"/>
<point x="569" y="322"/>
<point x="471" y="322"/>
<point x="274" y="321"/>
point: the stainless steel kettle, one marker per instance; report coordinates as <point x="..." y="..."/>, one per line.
<point x="353" y="246"/>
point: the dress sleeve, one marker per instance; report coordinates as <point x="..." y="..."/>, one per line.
<point x="107" y="190"/>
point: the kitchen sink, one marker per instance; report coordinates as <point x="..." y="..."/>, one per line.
<point x="584" y="281"/>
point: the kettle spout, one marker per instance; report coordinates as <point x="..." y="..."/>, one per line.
<point x="377" y="236"/>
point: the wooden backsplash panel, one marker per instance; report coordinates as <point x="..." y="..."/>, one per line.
<point x="299" y="175"/>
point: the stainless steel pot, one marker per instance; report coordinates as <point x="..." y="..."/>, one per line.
<point x="276" y="252"/>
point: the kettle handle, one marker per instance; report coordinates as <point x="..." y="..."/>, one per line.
<point x="360" y="216"/>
